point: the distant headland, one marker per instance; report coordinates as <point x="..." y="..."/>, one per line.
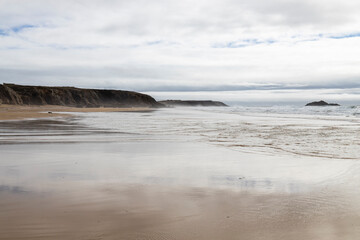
<point x="73" y="97"/>
<point x="192" y="103"/>
<point x="321" y="103"/>
<point x="14" y="94"/>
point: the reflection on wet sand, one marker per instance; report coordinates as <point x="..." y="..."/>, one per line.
<point x="58" y="130"/>
<point x="135" y="211"/>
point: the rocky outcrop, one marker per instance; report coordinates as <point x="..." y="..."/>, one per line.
<point x="73" y="97"/>
<point x="192" y="103"/>
<point x="321" y="103"/>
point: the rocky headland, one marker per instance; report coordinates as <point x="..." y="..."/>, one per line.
<point x="321" y="103"/>
<point x="192" y="103"/>
<point x="73" y="97"/>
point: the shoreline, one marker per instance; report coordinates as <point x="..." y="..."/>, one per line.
<point x="21" y="112"/>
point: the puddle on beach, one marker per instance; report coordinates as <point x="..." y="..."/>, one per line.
<point x="96" y="183"/>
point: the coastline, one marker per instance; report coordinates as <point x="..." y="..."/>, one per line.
<point x="21" y="112"/>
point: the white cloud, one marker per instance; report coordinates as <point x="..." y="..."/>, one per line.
<point x="187" y="45"/>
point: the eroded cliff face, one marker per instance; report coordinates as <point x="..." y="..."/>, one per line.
<point x="73" y="97"/>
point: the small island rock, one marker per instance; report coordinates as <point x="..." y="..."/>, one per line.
<point x="321" y="103"/>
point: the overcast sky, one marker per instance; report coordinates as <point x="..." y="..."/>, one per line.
<point x="256" y="48"/>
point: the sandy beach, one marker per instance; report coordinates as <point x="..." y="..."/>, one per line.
<point x="16" y="112"/>
<point x="167" y="174"/>
<point x="143" y="212"/>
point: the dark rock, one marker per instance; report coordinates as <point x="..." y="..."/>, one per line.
<point x="73" y="97"/>
<point x="321" y="103"/>
<point x="192" y="103"/>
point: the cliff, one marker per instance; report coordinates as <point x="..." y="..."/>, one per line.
<point x="321" y="103"/>
<point x="192" y="103"/>
<point x="73" y="97"/>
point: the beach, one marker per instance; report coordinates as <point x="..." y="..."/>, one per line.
<point x="179" y="173"/>
<point x="16" y="112"/>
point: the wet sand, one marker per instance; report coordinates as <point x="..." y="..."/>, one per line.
<point x="135" y="212"/>
<point x="62" y="180"/>
<point x="17" y="112"/>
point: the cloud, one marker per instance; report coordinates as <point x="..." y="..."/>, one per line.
<point x="166" y="45"/>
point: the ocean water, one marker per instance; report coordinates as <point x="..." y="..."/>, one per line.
<point x="345" y="110"/>
<point x="325" y="132"/>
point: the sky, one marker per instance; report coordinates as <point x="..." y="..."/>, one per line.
<point x="234" y="50"/>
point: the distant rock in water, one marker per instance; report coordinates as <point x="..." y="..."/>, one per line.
<point x="192" y="103"/>
<point x="321" y="103"/>
<point x="73" y="97"/>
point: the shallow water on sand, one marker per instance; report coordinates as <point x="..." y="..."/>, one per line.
<point x="180" y="174"/>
